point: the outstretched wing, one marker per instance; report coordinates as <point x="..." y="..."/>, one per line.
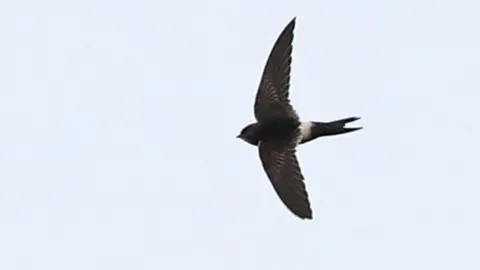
<point x="281" y="165"/>
<point x="272" y="99"/>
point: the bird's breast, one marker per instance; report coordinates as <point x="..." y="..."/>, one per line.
<point x="278" y="129"/>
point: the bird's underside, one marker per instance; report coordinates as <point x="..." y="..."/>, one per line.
<point x="272" y="101"/>
<point x="278" y="130"/>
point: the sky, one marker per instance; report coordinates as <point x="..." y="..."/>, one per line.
<point x="118" y="124"/>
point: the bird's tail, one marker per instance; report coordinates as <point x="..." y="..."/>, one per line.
<point x="337" y="127"/>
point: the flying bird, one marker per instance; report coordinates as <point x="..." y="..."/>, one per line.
<point x="279" y="130"/>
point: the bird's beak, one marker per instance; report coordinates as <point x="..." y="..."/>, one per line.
<point x="238" y="136"/>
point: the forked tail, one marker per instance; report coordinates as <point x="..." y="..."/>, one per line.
<point x="336" y="127"/>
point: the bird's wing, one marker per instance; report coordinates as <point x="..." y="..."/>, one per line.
<point x="281" y="165"/>
<point x="272" y="99"/>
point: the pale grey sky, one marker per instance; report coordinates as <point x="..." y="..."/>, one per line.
<point x="119" y="119"/>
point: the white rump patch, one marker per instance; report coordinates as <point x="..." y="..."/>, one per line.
<point x="306" y="130"/>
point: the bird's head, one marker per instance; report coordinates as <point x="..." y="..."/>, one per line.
<point x="249" y="134"/>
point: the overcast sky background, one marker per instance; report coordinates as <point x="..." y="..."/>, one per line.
<point x="118" y="124"/>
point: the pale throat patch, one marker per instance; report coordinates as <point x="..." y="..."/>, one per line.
<point x="305" y="129"/>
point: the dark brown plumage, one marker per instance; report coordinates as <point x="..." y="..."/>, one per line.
<point x="272" y="99"/>
<point x="278" y="130"/>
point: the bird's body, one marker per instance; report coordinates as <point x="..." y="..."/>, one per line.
<point x="279" y="130"/>
<point x="272" y="130"/>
